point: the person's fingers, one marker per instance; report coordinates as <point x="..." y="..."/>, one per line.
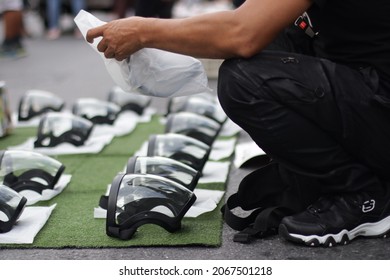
<point x="120" y="57"/>
<point x="94" y="33"/>
<point x="109" y="53"/>
<point x="102" y="46"/>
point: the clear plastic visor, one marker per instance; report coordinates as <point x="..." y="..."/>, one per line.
<point x="188" y="120"/>
<point x="91" y="107"/>
<point x="165" y="167"/>
<point x="59" y="123"/>
<point x="150" y="193"/>
<point x="37" y="101"/>
<point x="22" y="170"/>
<point x="177" y="103"/>
<point x="171" y="143"/>
<point x="20" y="162"/>
<point x="206" y="108"/>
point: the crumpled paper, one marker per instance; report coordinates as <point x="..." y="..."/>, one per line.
<point x="28" y="225"/>
<point x="245" y="152"/>
<point x="215" y="172"/>
<point x="229" y="129"/>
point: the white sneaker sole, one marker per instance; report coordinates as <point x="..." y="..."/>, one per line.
<point x="378" y="229"/>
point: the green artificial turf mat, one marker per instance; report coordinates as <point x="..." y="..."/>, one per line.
<point x="72" y="225"/>
<point x="17" y="136"/>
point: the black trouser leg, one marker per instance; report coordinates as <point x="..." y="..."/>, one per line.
<point x="314" y="117"/>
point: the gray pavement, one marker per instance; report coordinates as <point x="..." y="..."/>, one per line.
<point x="70" y="68"/>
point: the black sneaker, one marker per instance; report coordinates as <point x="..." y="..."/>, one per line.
<point x="338" y="220"/>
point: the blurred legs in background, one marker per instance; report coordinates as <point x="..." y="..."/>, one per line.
<point x="11" y="11"/>
<point x="53" y="13"/>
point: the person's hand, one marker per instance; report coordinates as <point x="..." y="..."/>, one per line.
<point x="119" y="38"/>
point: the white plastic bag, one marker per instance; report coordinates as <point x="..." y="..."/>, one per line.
<point x="150" y="71"/>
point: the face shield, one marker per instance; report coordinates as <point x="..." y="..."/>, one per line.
<point x="164" y="167"/>
<point x="179" y="147"/>
<point x="193" y="125"/>
<point x="37" y="102"/>
<point x="96" y="111"/>
<point x="56" y="128"/>
<point x="176" y="104"/>
<point x="205" y="108"/>
<point x="138" y="199"/>
<point x="26" y="170"/>
<point x="128" y="101"/>
<point x="11" y="207"/>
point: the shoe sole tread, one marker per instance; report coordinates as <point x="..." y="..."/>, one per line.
<point x="378" y="229"/>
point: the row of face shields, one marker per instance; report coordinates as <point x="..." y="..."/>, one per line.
<point x="56" y="127"/>
<point x="158" y="188"/>
<point x="22" y="171"/>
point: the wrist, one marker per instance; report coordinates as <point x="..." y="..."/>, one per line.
<point x="147" y="32"/>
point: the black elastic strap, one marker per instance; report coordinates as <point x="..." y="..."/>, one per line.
<point x="103" y="202"/>
<point x="138" y="109"/>
<point x="24" y="182"/>
<point x="12" y="214"/>
<point x="234" y="221"/>
<point x="265" y="224"/>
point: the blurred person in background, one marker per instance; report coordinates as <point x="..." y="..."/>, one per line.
<point x="121" y="7"/>
<point x="237" y="3"/>
<point x="154" y="8"/>
<point x="11" y="12"/>
<point x="53" y="13"/>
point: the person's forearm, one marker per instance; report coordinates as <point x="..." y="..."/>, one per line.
<point x="216" y="35"/>
<point x="241" y="32"/>
<point x="237" y="33"/>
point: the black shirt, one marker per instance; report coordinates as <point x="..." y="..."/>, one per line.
<point x="353" y="32"/>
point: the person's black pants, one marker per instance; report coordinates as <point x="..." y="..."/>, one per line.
<point x="316" y="118"/>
